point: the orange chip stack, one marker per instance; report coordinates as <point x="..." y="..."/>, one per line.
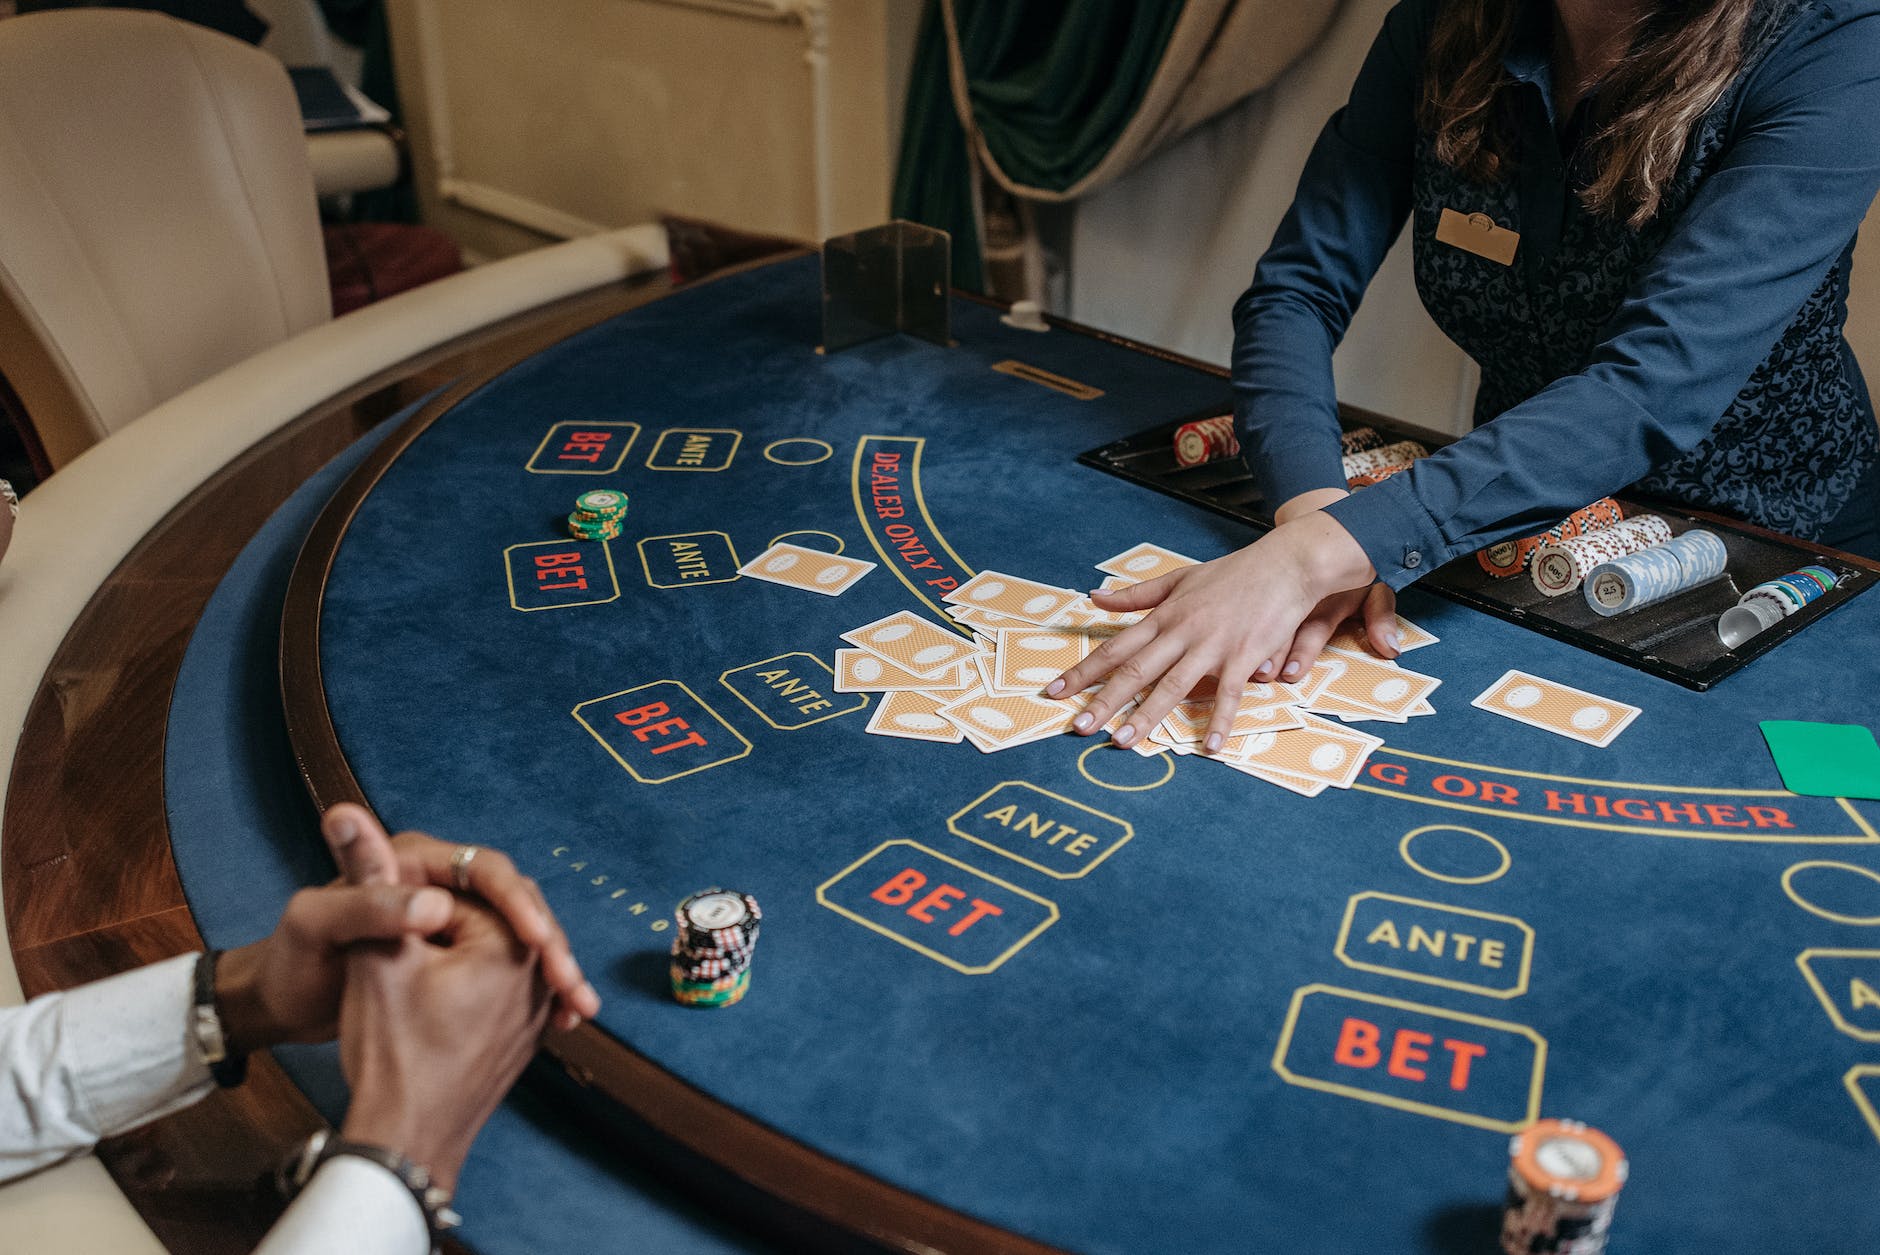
<point x="1563" y="1185"/>
<point x="1370" y="465"/>
<point x="1206" y="440"/>
<point x="1506" y="559"/>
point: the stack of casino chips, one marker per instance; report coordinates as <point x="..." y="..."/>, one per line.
<point x="1561" y="567"/>
<point x="712" y="948"/>
<point x="598" y="515"/>
<point x="1636" y="580"/>
<point x="1211" y="439"/>
<point x="1368" y="466"/>
<point x="1563" y="1185"/>
<point x="1359" y="439"/>
<point x="1767" y="604"/>
<point x="1506" y="559"/>
<point x="1206" y="440"/>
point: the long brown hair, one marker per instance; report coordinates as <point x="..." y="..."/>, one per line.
<point x="1681" y="57"/>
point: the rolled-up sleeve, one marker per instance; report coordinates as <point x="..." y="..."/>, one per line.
<point x="1758" y="238"/>
<point x="1352" y="201"/>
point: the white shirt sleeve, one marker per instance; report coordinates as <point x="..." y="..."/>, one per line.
<point x="94" y="1061"/>
<point x="351" y="1207"/>
<point x="91" y="1062"/>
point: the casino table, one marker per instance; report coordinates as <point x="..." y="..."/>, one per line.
<point x="1061" y="997"/>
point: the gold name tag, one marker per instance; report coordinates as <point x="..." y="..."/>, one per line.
<point x="1478" y="234"/>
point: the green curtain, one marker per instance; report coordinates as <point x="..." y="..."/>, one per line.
<point x="1052" y="85"/>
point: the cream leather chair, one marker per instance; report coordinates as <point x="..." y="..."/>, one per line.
<point x="157" y="215"/>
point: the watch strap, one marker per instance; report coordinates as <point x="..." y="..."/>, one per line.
<point x="227" y="1069"/>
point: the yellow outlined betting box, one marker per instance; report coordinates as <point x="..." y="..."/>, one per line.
<point x="1434" y="926"/>
<point x="1866" y="986"/>
<point x="565" y="457"/>
<point x="694" y="449"/>
<point x="951" y="928"/>
<point x="543" y="593"/>
<point x="1043" y="830"/>
<point x="1854" y="1080"/>
<point x="792" y="691"/>
<point x="689" y="559"/>
<point x="1521" y="1102"/>
<point x="641" y="725"/>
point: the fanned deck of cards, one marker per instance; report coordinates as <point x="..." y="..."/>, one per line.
<point x="938" y="684"/>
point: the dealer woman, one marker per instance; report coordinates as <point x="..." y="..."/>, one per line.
<point x="1674" y="188"/>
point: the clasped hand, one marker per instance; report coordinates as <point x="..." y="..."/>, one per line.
<point x="438" y="998"/>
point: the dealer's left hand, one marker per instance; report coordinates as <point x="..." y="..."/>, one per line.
<point x="1228" y="619"/>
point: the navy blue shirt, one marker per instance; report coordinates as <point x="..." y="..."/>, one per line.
<point x="1700" y="356"/>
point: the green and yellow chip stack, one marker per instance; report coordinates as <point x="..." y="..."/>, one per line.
<point x="598" y="515"/>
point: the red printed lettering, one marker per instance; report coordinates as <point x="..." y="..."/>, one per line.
<point x="1462" y="1054"/>
<point x="640" y="714"/>
<point x="941" y="898"/>
<point x="1405" y="1049"/>
<point x="899" y="890"/>
<point x="1357" y="1044"/>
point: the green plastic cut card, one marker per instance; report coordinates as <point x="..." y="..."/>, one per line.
<point x="1825" y="759"/>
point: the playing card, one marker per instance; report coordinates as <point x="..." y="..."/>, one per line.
<point x="1144" y="562"/>
<point x="858" y="671"/>
<point x="1351" y="712"/>
<point x="1263" y="708"/>
<point x="1351" y="638"/>
<point x="1030" y="658"/>
<point x="1301" y="785"/>
<point x="1011" y="595"/>
<point x="1328" y="668"/>
<point x="1557" y="708"/>
<point x="995" y="721"/>
<point x="985" y="620"/>
<point x="904" y="638"/>
<point x="1380" y="685"/>
<point x="830" y="574"/>
<point x="1319" y="751"/>
<point x="915" y="716"/>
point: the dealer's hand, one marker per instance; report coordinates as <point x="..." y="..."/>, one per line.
<point x="366" y="855"/>
<point x="1375" y="606"/>
<point x="1259" y="609"/>
<point x="433" y="1032"/>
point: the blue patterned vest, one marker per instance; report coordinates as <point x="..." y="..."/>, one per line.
<point x="1790" y="448"/>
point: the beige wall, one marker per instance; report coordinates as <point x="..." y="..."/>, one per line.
<point x="1863" y="305"/>
<point x="555" y="118"/>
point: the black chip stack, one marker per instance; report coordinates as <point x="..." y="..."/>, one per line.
<point x="712" y="947"/>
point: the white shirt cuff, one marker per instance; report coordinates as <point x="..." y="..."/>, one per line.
<point x="94" y="1061"/>
<point x="351" y="1207"/>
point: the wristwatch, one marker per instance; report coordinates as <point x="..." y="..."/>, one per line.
<point x="293" y="1175"/>
<point x="229" y="1070"/>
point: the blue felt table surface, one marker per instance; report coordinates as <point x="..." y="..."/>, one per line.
<point x="1112" y="1086"/>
